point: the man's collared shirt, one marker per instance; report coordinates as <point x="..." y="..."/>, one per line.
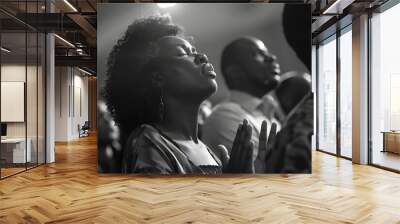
<point x="221" y="126"/>
<point x="272" y="109"/>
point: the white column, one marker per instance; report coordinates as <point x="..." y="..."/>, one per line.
<point x="50" y="93"/>
<point x="50" y="99"/>
<point x="360" y="90"/>
<point x="62" y="103"/>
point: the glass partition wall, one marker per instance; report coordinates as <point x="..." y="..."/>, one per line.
<point x="22" y="98"/>
<point x="13" y="91"/>
<point x="334" y="80"/>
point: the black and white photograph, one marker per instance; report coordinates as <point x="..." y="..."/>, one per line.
<point x="204" y="88"/>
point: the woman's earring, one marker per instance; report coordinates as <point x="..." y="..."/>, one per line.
<point x="157" y="84"/>
<point x="161" y="107"/>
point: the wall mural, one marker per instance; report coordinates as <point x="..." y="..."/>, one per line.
<point x="204" y="89"/>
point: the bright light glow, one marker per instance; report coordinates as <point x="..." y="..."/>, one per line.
<point x="5" y="50"/>
<point x="70" y="5"/>
<point x="84" y="71"/>
<point x="165" y="5"/>
<point x="65" y="41"/>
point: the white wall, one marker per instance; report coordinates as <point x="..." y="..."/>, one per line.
<point x="70" y="83"/>
<point x="79" y="117"/>
<point x="61" y="103"/>
<point x="13" y="73"/>
<point x="17" y="73"/>
<point x="34" y="125"/>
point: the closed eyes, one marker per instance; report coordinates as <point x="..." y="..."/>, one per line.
<point x="183" y="51"/>
<point x="259" y="57"/>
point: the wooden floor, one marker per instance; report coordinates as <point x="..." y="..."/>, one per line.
<point x="71" y="191"/>
<point x="387" y="159"/>
<point x="10" y="171"/>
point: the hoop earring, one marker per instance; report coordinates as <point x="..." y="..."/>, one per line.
<point x="161" y="107"/>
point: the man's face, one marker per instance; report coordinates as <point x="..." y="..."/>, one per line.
<point x="260" y="65"/>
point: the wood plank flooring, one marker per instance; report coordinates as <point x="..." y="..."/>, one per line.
<point x="71" y="191"/>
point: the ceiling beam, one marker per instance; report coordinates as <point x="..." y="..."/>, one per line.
<point x="84" y="24"/>
<point x="83" y="61"/>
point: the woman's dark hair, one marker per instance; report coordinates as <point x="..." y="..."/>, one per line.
<point x="130" y="96"/>
<point x="296" y="20"/>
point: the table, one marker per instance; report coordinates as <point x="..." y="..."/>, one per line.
<point x="391" y="141"/>
<point x="13" y="150"/>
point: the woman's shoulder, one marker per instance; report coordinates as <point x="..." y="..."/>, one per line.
<point x="145" y="141"/>
<point x="145" y="151"/>
<point x="143" y="133"/>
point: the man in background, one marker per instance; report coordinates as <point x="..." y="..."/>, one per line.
<point x="250" y="71"/>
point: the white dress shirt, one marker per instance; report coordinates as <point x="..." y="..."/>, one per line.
<point x="221" y="126"/>
<point x="272" y="109"/>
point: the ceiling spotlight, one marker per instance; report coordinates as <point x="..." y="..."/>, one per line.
<point x="5" y="50"/>
<point x="165" y="5"/>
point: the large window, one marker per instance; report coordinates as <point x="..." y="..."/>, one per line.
<point x="327" y="95"/>
<point x="385" y="88"/>
<point x="335" y="93"/>
<point x="345" y="42"/>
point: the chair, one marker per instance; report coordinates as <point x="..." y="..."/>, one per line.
<point x="84" y="130"/>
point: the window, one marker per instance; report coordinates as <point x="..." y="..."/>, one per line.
<point x="327" y="95"/>
<point x="334" y="106"/>
<point x="385" y="89"/>
<point x="346" y="92"/>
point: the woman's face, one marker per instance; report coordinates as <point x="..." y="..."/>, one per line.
<point x="186" y="73"/>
